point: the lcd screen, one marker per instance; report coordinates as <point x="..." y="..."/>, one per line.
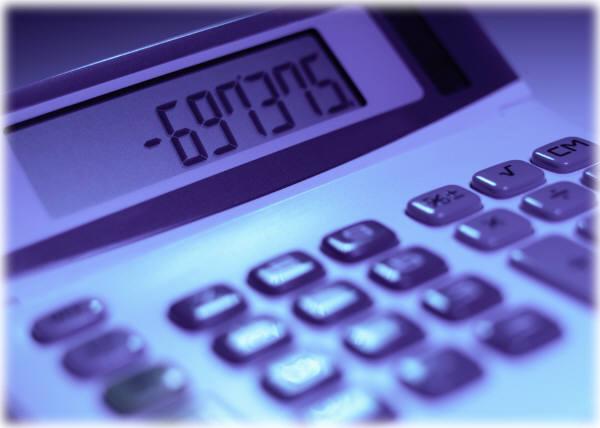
<point x="137" y="136"/>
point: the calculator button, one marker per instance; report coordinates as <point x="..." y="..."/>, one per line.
<point x="558" y="201"/>
<point x="518" y="332"/>
<point x="258" y="337"/>
<point x="408" y="268"/>
<point x="207" y="307"/>
<point x="586" y="227"/>
<point x="331" y="303"/>
<point x="443" y="205"/>
<point x="68" y="320"/>
<point x="382" y="335"/>
<point x="590" y="177"/>
<point x="494" y="229"/>
<point x="462" y="298"/>
<point x="507" y="179"/>
<point x="299" y="374"/>
<point x="285" y="273"/>
<point x="561" y="263"/>
<point x="358" y="241"/>
<point x="439" y="372"/>
<point x="350" y="405"/>
<point x="109" y="352"/>
<point x="565" y="155"/>
<point x="147" y="390"/>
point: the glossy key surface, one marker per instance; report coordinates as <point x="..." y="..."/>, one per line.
<point x="331" y="303"/>
<point x="381" y="335"/>
<point x="493" y="229"/>
<point x="559" y="262"/>
<point x="299" y="374"/>
<point x="207" y="307"/>
<point x="286" y="273"/>
<point x="147" y="390"/>
<point x="68" y="320"/>
<point x="408" y="268"/>
<point x="559" y="201"/>
<point x="438" y="372"/>
<point x="349" y="405"/>
<point x="252" y="339"/>
<point x="507" y="179"/>
<point x="443" y="205"/>
<point x="565" y="155"/>
<point x="104" y="354"/>
<point x="462" y="298"/>
<point x="358" y="241"/>
<point x="518" y="331"/>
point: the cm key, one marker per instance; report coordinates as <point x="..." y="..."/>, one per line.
<point x="565" y="155"/>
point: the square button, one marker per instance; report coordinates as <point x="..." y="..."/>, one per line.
<point x="462" y="298"/>
<point x="494" y="229"/>
<point x="331" y="303"/>
<point x="249" y="341"/>
<point x="408" y="268"/>
<point x="561" y="263"/>
<point x="443" y="205"/>
<point x="518" y="332"/>
<point x="559" y="201"/>
<point x="438" y="373"/>
<point x="285" y="273"/>
<point x="299" y="374"/>
<point x="381" y="335"/>
<point x="358" y="241"/>
<point x="207" y="307"/>
<point x="507" y="179"/>
<point x="565" y="155"/>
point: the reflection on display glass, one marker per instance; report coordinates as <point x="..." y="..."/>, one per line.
<point x="142" y="134"/>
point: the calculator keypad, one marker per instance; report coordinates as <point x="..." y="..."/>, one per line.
<point x="494" y="229"/>
<point x="299" y="374"/>
<point x="564" y="155"/>
<point x="559" y="262"/>
<point x="331" y="303"/>
<point x="443" y="205"/>
<point x="559" y="201"/>
<point x="507" y="179"/>
<point x="371" y="335"/>
<point x="519" y="331"/>
<point x="439" y="372"/>
<point x="69" y="320"/>
<point x="358" y="241"/>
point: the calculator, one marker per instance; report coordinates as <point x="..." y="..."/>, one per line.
<point x="322" y="215"/>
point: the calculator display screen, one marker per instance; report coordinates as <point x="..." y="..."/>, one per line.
<point x="142" y="134"/>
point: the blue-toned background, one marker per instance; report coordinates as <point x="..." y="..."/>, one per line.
<point x="550" y="48"/>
